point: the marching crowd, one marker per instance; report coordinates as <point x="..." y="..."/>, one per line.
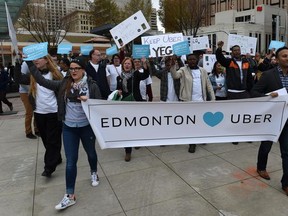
<point x="52" y="89"/>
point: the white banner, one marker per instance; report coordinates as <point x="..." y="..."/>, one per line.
<point x="129" y="29"/>
<point x="161" y="45"/>
<point x="125" y="124"/>
<point x="247" y="44"/>
<point x="12" y="32"/>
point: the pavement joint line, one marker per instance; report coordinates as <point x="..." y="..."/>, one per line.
<point x="35" y="177"/>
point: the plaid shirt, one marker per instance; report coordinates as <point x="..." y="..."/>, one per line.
<point x="283" y="78"/>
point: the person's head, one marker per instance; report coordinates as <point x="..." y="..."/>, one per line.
<point x="217" y="68"/>
<point x="282" y="57"/>
<point x="168" y="62"/>
<point x="236" y="51"/>
<point x="127" y="64"/>
<point x="95" y="56"/>
<point x="273" y="60"/>
<point x="64" y="64"/>
<point x="257" y="56"/>
<point x="77" y="70"/>
<point x="137" y="63"/>
<point x="209" y="51"/>
<point x="192" y="60"/>
<point x="115" y="59"/>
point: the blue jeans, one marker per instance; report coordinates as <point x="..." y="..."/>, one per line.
<point x="71" y="140"/>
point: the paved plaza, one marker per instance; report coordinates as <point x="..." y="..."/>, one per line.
<point x="219" y="179"/>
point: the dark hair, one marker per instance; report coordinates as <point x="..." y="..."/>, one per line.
<point x="79" y="62"/>
<point x="66" y="61"/>
<point x="91" y="52"/>
<point x="214" y="70"/>
<point x="231" y="49"/>
<point x="279" y="50"/>
<point x="193" y="54"/>
<point x="113" y="56"/>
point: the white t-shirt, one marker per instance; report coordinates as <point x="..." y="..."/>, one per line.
<point x="95" y="66"/>
<point x="24" y="70"/>
<point x="46" y="101"/>
<point x="112" y="71"/>
<point x="220" y="80"/>
<point x="171" y="95"/>
<point x="240" y="68"/>
<point x="143" y="84"/>
<point x="197" y="86"/>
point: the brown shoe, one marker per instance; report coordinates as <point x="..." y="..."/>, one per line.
<point x="128" y="157"/>
<point x="263" y="174"/>
<point x="285" y="189"/>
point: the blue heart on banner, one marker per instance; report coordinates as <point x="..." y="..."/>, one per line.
<point x="213" y="119"/>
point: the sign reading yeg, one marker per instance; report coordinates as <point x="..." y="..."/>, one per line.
<point x="194" y="122"/>
<point x="161" y="45"/>
<point x="129" y="29"/>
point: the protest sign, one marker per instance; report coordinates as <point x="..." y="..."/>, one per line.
<point x="209" y="61"/>
<point x="112" y="50"/>
<point x="152" y="124"/>
<point x="161" y="45"/>
<point x="35" y="51"/>
<point x="276" y="45"/>
<point x="181" y="48"/>
<point x="64" y="48"/>
<point x="129" y="29"/>
<point x="140" y="51"/>
<point x="12" y="32"/>
<point x="85" y="49"/>
<point x="247" y="44"/>
<point x="197" y="43"/>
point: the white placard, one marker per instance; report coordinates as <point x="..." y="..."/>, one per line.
<point x="129" y="29"/>
<point x="247" y="44"/>
<point x="197" y="43"/>
<point x="161" y="45"/>
<point x="167" y="123"/>
<point x="209" y="61"/>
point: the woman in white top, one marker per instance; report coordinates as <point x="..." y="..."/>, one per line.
<point x="112" y="71"/>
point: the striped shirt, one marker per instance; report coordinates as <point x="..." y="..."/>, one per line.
<point x="283" y="78"/>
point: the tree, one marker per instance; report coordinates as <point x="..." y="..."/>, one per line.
<point x="35" y="19"/>
<point x="104" y="12"/>
<point x="182" y="16"/>
<point x="134" y="6"/>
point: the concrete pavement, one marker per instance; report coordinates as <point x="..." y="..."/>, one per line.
<point x="219" y="179"/>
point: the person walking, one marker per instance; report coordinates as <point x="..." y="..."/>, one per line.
<point x="4" y="80"/>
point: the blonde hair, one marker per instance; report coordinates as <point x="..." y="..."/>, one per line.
<point x="52" y="67"/>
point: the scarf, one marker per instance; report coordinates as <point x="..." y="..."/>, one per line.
<point x="78" y="89"/>
<point x="125" y="77"/>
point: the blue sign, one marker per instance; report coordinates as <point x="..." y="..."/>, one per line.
<point x="85" y="49"/>
<point x="64" y="48"/>
<point x="35" y="51"/>
<point x="276" y="44"/>
<point x="112" y="50"/>
<point x="181" y="48"/>
<point x="140" y="51"/>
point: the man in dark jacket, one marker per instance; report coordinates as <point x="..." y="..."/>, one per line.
<point x="96" y="69"/>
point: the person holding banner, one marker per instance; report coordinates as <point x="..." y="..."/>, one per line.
<point x="44" y="103"/>
<point x="271" y="81"/>
<point x="71" y="91"/>
<point x="96" y="69"/>
<point x="128" y="83"/>
<point x="239" y="79"/>
<point x="194" y="84"/>
<point x="217" y="79"/>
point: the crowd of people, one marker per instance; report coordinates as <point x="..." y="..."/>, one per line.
<point x="52" y="90"/>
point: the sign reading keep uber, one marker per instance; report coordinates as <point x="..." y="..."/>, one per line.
<point x="161" y="45"/>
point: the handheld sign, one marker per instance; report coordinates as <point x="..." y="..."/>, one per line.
<point x="197" y="43"/>
<point x="85" y="49"/>
<point x="12" y="32"/>
<point x="140" y="51"/>
<point x="276" y="44"/>
<point x="112" y="50"/>
<point x="161" y="45"/>
<point x="247" y="44"/>
<point x="129" y="29"/>
<point x="35" y="51"/>
<point x="181" y="48"/>
<point x="64" y="48"/>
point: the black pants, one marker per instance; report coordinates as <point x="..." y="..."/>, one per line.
<point x="263" y="152"/>
<point x="238" y="95"/>
<point x="4" y="99"/>
<point x="50" y="130"/>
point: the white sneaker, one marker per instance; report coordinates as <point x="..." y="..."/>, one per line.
<point x="66" y="202"/>
<point x="94" y="179"/>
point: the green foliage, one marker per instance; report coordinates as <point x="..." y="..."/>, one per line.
<point x="134" y="6"/>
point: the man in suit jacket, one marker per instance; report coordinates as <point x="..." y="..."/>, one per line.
<point x="271" y="81"/>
